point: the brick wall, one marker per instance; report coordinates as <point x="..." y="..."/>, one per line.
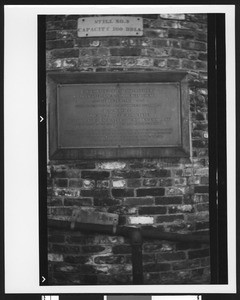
<point x="168" y="193"/>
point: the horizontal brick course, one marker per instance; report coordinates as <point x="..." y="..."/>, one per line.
<point x="150" y="192"/>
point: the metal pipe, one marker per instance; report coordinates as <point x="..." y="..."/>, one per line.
<point x="136" y="236"/>
<point x="152" y="233"/>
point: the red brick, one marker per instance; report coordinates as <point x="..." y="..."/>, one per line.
<point x="62" y="53"/>
<point x="126" y="174"/>
<point x="125" y="51"/>
<point x="160" y="267"/>
<point x="110" y="259"/>
<point x="170" y="256"/>
<point x="139" y="201"/>
<point x="152" y="210"/>
<point x="97" y="193"/>
<point x="157" y="173"/>
<point x="194" y="45"/>
<point x="169" y="200"/>
<point x="134" y="183"/>
<point x="95" y="175"/>
<point x="122" y="192"/>
<point x="171" y="218"/>
<point x="198" y="253"/>
<point x="78" y="202"/>
<point x="181" y="33"/>
<point x="201" y="189"/>
<point x="59" y="44"/>
<point x="150" y="192"/>
<point x="107" y="202"/>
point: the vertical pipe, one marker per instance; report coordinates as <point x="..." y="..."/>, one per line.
<point x="137" y="263"/>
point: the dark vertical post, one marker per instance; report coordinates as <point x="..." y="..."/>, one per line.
<point x="137" y="264"/>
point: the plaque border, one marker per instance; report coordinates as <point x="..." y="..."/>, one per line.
<point x="56" y="153"/>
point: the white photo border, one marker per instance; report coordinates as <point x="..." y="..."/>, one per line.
<point x="21" y="147"/>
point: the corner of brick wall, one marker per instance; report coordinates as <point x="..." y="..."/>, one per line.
<point x="168" y="193"/>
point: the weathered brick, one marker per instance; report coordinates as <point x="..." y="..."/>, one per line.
<point x="201" y="189"/>
<point x="160" y="43"/>
<point x="55" y="257"/>
<point x="179" y="53"/>
<point x="125" y="51"/>
<point x="74" y="183"/>
<point x="134" y="183"/>
<point x="202" y="225"/>
<point x="111" y="165"/>
<point x="70" y="24"/>
<point x="76" y="259"/>
<point x="119" y="183"/>
<point x="59" y="182"/>
<point x="202" y="56"/>
<point x="122" y="249"/>
<point x="188" y="264"/>
<point x="93" y="249"/>
<point x="56" y="44"/>
<point x="173" y="16"/>
<point x="97" y="193"/>
<point x="169" y="200"/>
<point x="107" y="202"/>
<point x="152" y="210"/>
<point x="70" y="63"/>
<point x="161" y="63"/>
<point x="170" y="218"/>
<point x="85" y="165"/>
<point x="150" y="182"/>
<point x="126" y="174"/>
<point x="110" y="259"/>
<point x="201" y="65"/>
<point x="54" y="202"/>
<point x="170" y="256"/>
<point x="173" y="63"/>
<point x="175" y="191"/>
<point x="180" y="208"/>
<point x="157" y="173"/>
<point x="198" y="253"/>
<point x="199" y="143"/>
<point x="201" y="36"/>
<point x="135" y="220"/>
<point x="88" y="184"/>
<point x="139" y="201"/>
<point x="60" y="211"/>
<point x="202" y="207"/>
<point x="63" y="53"/>
<point x="65" y="249"/>
<point x="56" y="238"/>
<point x="78" y="202"/>
<point x="51" y="35"/>
<point x="187" y="245"/>
<point x="188" y="64"/>
<point x="181" y="33"/>
<point x="66" y="34"/>
<point x="155" y="33"/>
<point x="194" y="45"/>
<point x="150" y="192"/>
<point x="201" y="198"/>
<point x="95" y="175"/>
<point x="159" y="267"/>
<point x="122" y="192"/>
<point x="102" y="184"/>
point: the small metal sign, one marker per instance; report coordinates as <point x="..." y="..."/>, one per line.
<point x="110" y="26"/>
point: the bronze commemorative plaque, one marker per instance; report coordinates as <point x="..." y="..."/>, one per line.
<point x="119" y="115"/>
